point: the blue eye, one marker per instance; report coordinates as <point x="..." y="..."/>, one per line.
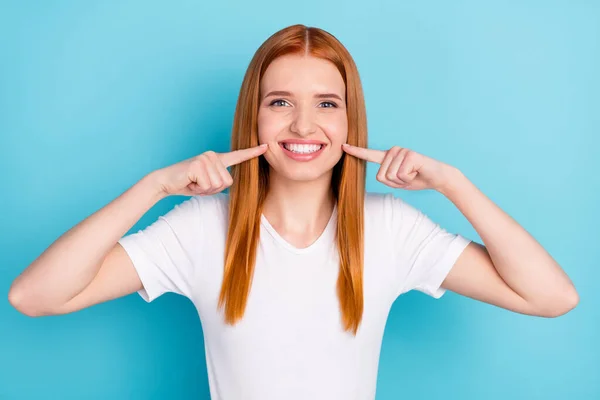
<point x="277" y="101"/>
<point x="283" y="103"/>
<point x="333" y="105"/>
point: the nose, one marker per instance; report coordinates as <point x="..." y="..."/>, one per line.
<point x="303" y="122"/>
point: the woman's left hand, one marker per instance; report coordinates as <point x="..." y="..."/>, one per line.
<point x="402" y="168"/>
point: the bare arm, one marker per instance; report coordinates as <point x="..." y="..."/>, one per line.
<point x="512" y="270"/>
<point x="87" y="265"/>
<point x="52" y="283"/>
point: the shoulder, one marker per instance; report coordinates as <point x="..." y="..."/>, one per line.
<point x="215" y="203"/>
<point x="379" y="210"/>
<point x="377" y="199"/>
<point x="391" y="211"/>
<point x="212" y="208"/>
<point x="198" y="211"/>
<point x="381" y="204"/>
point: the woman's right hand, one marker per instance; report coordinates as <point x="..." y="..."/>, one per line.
<point x="204" y="174"/>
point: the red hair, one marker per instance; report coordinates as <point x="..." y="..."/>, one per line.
<point x="251" y="178"/>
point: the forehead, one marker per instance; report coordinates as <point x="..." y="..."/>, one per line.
<point x="299" y="73"/>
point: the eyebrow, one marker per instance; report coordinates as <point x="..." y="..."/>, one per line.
<point x="318" y="96"/>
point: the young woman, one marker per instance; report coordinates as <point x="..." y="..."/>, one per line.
<point x="293" y="272"/>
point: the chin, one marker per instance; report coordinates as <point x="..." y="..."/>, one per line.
<point x="304" y="173"/>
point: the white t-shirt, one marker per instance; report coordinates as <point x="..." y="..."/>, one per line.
<point x="290" y="343"/>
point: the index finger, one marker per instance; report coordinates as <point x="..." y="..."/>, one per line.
<point x="371" y="155"/>
<point x="238" y="156"/>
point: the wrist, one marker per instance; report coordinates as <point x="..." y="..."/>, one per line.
<point x="154" y="185"/>
<point x="454" y="179"/>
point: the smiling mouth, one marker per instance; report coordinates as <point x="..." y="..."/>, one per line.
<point x="302" y="148"/>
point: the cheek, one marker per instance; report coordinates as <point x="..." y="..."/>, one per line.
<point x="337" y="130"/>
<point x="269" y="126"/>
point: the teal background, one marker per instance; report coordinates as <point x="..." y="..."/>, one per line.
<point x="95" y="94"/>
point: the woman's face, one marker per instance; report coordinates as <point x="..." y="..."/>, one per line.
<point x="302" y="100"/>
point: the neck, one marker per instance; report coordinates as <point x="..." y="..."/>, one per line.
<point x="299" y="206"/>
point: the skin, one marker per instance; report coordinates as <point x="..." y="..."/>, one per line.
<point x="85" y="266"/>
<point x="299" y="203"/>
<point x="510" y="270"/>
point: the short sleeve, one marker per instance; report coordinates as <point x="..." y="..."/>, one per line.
<point x="425" y="252"/>
<point x="162" y="252"/>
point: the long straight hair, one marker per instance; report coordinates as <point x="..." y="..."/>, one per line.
<point x="251" y="178"/>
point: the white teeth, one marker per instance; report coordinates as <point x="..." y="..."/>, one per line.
<point x="302" y="148"/>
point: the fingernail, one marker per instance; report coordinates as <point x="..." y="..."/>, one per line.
<point x="345" y="145"/>
<point x="264" y="145"/>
